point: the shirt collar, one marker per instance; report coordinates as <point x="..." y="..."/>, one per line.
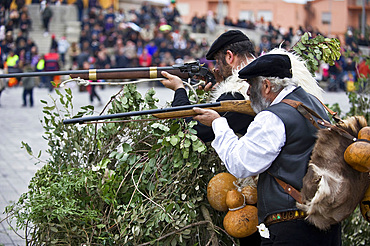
<point x="287" y="90"/>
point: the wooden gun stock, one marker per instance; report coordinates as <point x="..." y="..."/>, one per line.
<point x="239" y="106"/>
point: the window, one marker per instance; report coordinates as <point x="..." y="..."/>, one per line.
<point x="326" y="17"/>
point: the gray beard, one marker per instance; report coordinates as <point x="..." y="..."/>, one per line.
<point x="258" y="103"/>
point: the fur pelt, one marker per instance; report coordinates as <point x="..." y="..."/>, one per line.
<point x="301" y="74"/>
<point x="331" y="188"/>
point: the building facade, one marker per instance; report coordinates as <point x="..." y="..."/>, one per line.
<point x="330" y="17"/>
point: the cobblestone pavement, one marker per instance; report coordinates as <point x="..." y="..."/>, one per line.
<point x="19" y="124"/>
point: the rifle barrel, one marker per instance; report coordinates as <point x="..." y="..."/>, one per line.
<point x="113" y="73"/>
<point x="81" y="120"/>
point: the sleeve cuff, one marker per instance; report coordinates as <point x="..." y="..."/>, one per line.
<point x="220" y="125"/>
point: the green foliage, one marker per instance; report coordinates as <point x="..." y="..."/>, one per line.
<point x="125" y="183"/>
<point x="319" y="48"/>
<point x="355" y="230"/>
<point x="138" y="182"/>
<point x="360" y="98"/>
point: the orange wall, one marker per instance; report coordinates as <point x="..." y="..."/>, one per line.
<point x="284" y="14"/>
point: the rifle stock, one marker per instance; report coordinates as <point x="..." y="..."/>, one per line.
<point x="240" y="106"/>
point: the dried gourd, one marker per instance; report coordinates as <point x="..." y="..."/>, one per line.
<point x="235" y="199"/>
<point x="365" y="205"/>
<point x="242" y="222"/>
<point x="357" y="155"/>
<point x="217" y="190"/>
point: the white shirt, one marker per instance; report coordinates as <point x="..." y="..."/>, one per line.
<point x="258" y="148"/>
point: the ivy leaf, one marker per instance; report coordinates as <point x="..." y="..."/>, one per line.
<point x="27" y="147"/>
<point x="174" y="140"/>
<point x="100" y="226"/>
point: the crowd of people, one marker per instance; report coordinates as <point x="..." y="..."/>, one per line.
<point x="148" y="36"/>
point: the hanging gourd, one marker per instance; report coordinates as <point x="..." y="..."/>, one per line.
<point x="235" y="199"/>
<point x="217" y="190"/>
<point x="242" y="222"/>
<point x="357" y="155"/>
<point x="365" y="205"/>
<point x="250" y="193"/>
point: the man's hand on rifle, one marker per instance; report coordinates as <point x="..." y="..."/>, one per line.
<point x="218" y="77"/>
<point x="205" y="116"/>
<point x="172" y="82"/>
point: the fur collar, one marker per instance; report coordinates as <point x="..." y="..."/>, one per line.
<point x="231" y="84"/>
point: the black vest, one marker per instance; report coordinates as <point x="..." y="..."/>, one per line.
<point x="291" y="164"/>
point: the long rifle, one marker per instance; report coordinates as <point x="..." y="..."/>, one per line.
<point x="184" y="71"/>
<point x="240" y="106"/>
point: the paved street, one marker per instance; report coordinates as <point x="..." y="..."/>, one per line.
<point x="19" y="124"/>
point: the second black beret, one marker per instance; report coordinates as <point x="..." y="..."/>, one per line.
<point x="229" y="37"/>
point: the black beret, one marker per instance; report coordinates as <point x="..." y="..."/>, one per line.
<point x="273" y="65"/>
<point x="229" y="37"/>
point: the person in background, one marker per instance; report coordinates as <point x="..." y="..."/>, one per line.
<point x="73" y="52"/>
<point x="2" y="81"/>
<point x="28" y="85"/>
<point x="46" y="14"/>
<point x="51" y="64"/>
<point x="91" y="88"/>
<point x="54" y="43"/>
<point x="63" y="46"/>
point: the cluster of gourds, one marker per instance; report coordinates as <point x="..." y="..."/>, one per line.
<point x="357" y="155"/>
<point x="224" y="194"/>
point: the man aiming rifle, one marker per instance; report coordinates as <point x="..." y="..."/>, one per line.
<point x="232" y="51"/>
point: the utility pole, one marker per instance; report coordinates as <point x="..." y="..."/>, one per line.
<point x="220" y="11"/>
<point x="363" y="19"/>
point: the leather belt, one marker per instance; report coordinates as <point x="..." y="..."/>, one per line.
<point x="284" y="216"/>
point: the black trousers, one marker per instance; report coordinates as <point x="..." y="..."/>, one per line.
<point x="300" y="232"/>
<point x="27" y="92"/>
<point x="252" y="240"/>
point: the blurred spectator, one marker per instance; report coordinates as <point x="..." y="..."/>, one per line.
<point x="195" y="22"/>
<point x="363" y="69"/>
<point x="211" y="23"/>
<point x="264" y="46"/>
<point x="119" y="16"/>
<point x="91" y="88"/>
<point x="46" y="14"/>
<point x="145" y="59"/>
<point x="349" y="75"/>
<point x="14" y="17"/>
<point x="362" y="41"/>
<point x="73" y="51"/>
<point x="12" y="62"/>
<point x="54" y="43"/>
<point x="28" y="85"/>
<point x="25" y="23"/>
<point x="84" y="55"/>
<point x="151" y="47"/>
<point x="335" y="76"/>
<point x="51" y="64"/>
<point x="80" y="8"/>
<point x="63" y="46"/>
<point x="121" y="60"/>
<point x="130" y="52"/>
<point x="168" y="59"/>
<point x="102" y="61"/>
<point x="2" y="81"/>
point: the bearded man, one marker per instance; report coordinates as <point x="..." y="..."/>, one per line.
<point x="232" y="51"/>
<point x="278" y="144"/>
